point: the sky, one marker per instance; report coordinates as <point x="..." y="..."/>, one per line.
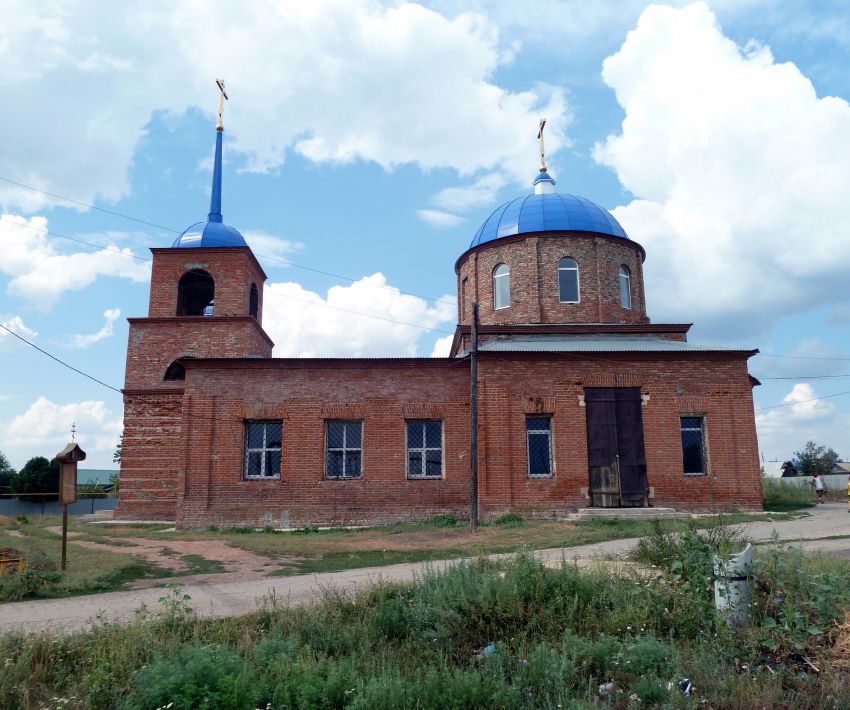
<point x="365" y="143"/>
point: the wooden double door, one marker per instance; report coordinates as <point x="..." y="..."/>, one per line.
<point x="615" y="449"/>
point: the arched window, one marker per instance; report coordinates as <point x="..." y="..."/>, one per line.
<point x="568" y="280"/>
<point x="175" y="371"/>
<point x="501" y="286"/>
<point x="195" y="294"/>
<point x="625" y="286"/>
<point x="253" y="302"/>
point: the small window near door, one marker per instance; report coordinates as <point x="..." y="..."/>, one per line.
<point x="538" y="431"/>
<point x="693" y="445"/>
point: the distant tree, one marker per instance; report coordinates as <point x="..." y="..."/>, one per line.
<point x="116" y="457"/>
<point x="815" y="457"/>
<point x="7" y="474"/>
<point x="37" y="476"/>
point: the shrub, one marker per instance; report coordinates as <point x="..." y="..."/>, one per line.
<point x="444" y="520"/>
<point x="510" y="520"/>
<point x="195" y="677"/>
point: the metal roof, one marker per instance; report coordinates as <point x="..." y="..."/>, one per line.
<point x="600" y="345"/>
<point x="547" y="212"/>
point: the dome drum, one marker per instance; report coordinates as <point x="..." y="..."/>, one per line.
<point x="587" y="288"/>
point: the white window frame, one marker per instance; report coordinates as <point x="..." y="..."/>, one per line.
<point x="422" y="475"/>
<point x="506" y="274"/>
<point x="578" y="278"/>
<point x="264" y="476"/>
<point x="702" y="430"/>
<point x="344" y="449"/>
<point x="625" y="273"/>
<point x="538" y="432"/>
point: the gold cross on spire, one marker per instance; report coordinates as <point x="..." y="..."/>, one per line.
<point x="221" y="98"/>
<point x="542" y="152"/>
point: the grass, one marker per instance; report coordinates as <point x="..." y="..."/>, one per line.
<point x="507" y="635"/>
<point x="786" y="497"/>
<point x="305" y="551"/>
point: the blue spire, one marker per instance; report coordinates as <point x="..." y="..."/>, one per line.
<point x="215" y="199"/>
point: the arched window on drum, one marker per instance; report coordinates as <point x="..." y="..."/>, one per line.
<point x="568" y="291"/>
<point x="625" y="286"/>
<point x="501" y="286"/>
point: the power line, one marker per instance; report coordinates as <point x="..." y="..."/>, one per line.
<point x="178" y="231"/>
<point x="802" y="357"/>
<point x="808" y="377"/>
<point x="800" y="401"/>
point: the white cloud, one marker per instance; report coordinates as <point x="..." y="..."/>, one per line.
<point x="269" y="245"/>
<point x="786" y="429"/>
<point x="41" y="274"/>
<point x="443" y="346"/>
<point x="302" y="325"/>
<point x="740" y="173"/>
<point x="440" y="220"/>
<point x="46" y="427"/>
<point x="16" y="325"/>
<point x="335" y="80"/>
<point x="84" y="341"/>
<point x="477" y="194"/>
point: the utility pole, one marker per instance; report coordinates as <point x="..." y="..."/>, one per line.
<point x="473" y="424"/>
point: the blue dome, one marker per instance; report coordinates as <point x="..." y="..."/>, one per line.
<point x="209" y="234"/>
<point x="547" y="212"/>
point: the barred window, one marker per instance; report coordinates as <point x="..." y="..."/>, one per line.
<point x="538" y="431"/>
<point x="424" y="449"/>
<point x="693" y="445"/>
<point x="344" y="449"/>
<point x="262" y="449"/>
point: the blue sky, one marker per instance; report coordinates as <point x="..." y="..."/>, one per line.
<point x="370" y="140"/>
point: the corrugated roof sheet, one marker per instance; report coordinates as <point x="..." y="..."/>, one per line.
<point x="545" y="344"/>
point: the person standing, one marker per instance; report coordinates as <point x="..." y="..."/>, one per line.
<point x="817" y="484"/>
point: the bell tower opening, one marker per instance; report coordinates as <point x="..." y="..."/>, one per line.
<point x="196" y="294"/>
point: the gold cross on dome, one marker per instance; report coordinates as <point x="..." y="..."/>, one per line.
<point x="221" y="98"/>
<point x="542" y="152"/>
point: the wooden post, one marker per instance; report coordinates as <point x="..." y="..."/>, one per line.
<point x="473" y="424"/>
<point x="64" y="536"/>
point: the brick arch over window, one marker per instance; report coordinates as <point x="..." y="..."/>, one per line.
<point x="195" y="294"/>
<point x="175" y="371"/>
<point x="253" y="301"/>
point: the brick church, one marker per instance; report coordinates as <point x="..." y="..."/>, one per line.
<point x="581" y="400"/>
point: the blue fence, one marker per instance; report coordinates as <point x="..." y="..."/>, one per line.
<point x="83" y="506"/>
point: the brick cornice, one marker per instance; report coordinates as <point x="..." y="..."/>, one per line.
<point x="199" y="319"/>
<point x="186" y="251"/>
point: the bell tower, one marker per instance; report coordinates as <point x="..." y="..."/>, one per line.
<point x="206" y="300"/>
<point x="206" y="297"/>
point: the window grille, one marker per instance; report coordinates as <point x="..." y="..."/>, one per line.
<point x="693" y="445"/>
<point x="424" y="449"/>
<point x="568" y="280"/>
<point x="262" y="449"/>
<point x="501" y="286"/>
<point x="625" y="286"/>
<point x="344" y="450"/>
<point x="538" y="432"/>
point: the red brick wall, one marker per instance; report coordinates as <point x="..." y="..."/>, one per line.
<point x="154" y="343"/>
<point x="233" y="269"/>
<point x="151" y="455"/>
<point x="533" y="261"/>
<point x="716" y="386"/>
<point x="304" y="393"/>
